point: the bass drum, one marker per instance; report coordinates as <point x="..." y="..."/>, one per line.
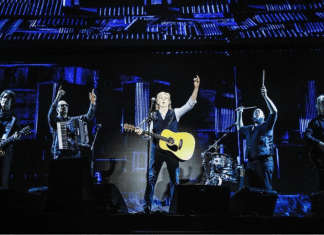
<point x="229" y="175"/>
<point x="215" y="180"/>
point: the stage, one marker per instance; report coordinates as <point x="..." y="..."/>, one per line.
<point x="105" y="223"/>
<point x="30" y="212"/>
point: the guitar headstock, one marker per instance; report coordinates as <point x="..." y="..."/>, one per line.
<point x="129" y="127"/>
<point x="25" y="131"/>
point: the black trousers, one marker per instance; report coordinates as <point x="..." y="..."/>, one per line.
<point x="156" y="160"/>
<point x="320" y="180"/>
<point x="5" y="167"/>
<point x="259" y="173"/>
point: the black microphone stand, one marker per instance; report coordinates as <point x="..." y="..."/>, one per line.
<point x="92" y="149"/>
<point x="148" y="120"/>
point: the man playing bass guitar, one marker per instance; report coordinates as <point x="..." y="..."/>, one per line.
<point x="314" y="135"/>
<point x="165" y="118"/>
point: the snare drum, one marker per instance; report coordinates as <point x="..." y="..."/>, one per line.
<point x="219" y="161"/>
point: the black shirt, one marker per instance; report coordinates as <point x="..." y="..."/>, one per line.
<point x="259" y="140"/>
<point x="315" y="130"/>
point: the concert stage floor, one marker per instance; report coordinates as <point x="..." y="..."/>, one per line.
<point x="105" y="223"/>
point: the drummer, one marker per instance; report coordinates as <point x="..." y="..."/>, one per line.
<point x="259" y="144"/>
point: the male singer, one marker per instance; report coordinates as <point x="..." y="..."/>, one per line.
<point x="259" y="144"/>
<point x="61" y="108"/>
<point x="165" y="118"/>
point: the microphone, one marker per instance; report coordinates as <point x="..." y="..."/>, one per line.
<point x="98" y="126"/>
<point x="152" y="104"/>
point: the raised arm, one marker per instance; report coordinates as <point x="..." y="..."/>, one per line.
<point x="52" y="111"/>
<point x="239" y="119"/>
<point x="90" y="115"/>
<point x="196" y="85"/>
<point x="179" y="112"/>
<point x="270" y="104"/>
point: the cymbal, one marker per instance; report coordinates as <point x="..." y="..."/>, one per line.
<point x="221" y="146"/>
<point x="223" y="154"/>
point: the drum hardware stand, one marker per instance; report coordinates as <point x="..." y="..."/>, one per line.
<point x="216" y="147"/>
<point x="92" y="149"/>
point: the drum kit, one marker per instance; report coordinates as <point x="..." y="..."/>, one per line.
<point x="221" y="167"/>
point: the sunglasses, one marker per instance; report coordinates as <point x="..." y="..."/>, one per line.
<point x="63" y="105"/>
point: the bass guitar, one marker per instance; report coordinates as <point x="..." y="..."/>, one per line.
<point x="316" y="155"/>
<point x="181" y="144"/>
<point x="24" y="131"/>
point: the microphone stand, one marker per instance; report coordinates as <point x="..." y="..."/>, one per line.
<point x="148" y="120"/>
<point x="92" y="149"/>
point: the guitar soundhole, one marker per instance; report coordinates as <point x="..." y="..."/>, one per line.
<point x="174" y="148"/>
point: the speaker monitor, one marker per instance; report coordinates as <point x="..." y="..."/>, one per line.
<point x="200" y="199"/>
<point x="317" y="204"/>
<point x="70" y="186"/>
<point x="11" y="199"/>
<point x="253" y="201"/>
<point x="109" y="199"/>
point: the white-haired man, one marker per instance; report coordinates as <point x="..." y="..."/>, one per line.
<point x="165" y="118"/>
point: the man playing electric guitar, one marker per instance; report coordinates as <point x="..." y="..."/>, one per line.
<point x="9" y="124"/>
<point x="165" y="118"/>
<point x="314" y="135"/>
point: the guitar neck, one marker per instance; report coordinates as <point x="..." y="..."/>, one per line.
<point x="157" y="136"/>
<point x="6" y="141"/>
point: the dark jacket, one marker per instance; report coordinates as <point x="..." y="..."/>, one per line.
<point x="259" y="141"/>
<point x="315" y="131"/>
<point x="53" y="119"/>
<point x="170" y="122"/>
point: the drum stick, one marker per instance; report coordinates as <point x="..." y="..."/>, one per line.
<point x="247" y="108"/>
<point x="263" y="78"/>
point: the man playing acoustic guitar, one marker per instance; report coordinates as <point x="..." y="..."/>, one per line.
<point x="314" y="135"/>
<point x="165" y="118"/>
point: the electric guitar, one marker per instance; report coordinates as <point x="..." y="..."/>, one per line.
<point x="316" y="154"/>
<point x="24" y="131"/>
<point x="181" y="144"/>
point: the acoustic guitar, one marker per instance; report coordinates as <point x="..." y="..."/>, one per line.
<point x="181" y="144"/>
<point x="24" y="131"/>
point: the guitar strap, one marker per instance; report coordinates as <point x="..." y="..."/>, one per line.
<point x="8" y="128"/>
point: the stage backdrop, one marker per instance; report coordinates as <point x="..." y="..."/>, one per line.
<point x="125" y="83"/>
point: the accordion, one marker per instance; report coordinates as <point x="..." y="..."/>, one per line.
<point x="71" y="134"/>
